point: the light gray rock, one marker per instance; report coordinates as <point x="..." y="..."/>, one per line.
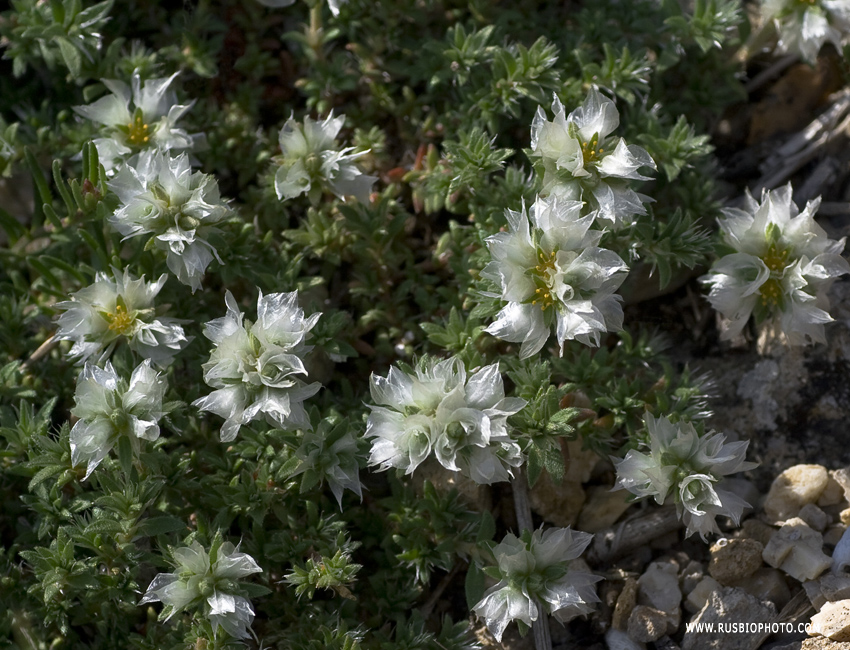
<point x="728" y="606"/>
<point x="835" y="587"/>
<point x="815" y="517"/>
<point x="658" y="587"/>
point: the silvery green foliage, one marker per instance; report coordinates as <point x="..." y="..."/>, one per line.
<point x="111" y="409"/>
<point x="552" y="273"/>
<point x="254" y="366"/>
<point x="312" y="162"/>
<point x="135" y="119"/>
<point x="805" y="25"/>
<point x="330" y="453"/>
<point x="121" y="307"/>
<point x="161" y="196"/>
<point x="209" y="580"/>
<point x="581" y="162"/>
<point x="534" y="572"/>
<point x="461" y="419"/>
<point x="275" y="4"/>
<point x="686" y="466"/>
<point x="782" y="265"/>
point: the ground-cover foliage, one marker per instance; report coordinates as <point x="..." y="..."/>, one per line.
<point x="301" y="283"/>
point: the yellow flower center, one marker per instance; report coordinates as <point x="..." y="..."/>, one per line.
<point x="138" y="132"/>
<point x="544" y="271"/>
<point x="121" y="322"/>
<point x="590" y="150"/>
<point x="776" y="259"/>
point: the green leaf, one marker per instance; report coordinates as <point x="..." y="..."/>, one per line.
<point x="474" y="585"/>
<point x="153" y="526"/>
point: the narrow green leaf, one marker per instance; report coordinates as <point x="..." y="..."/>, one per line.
<point x="474" y="585"/>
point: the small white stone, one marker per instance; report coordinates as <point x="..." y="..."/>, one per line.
<point x="832" y="621"/>
<point x="794" y="488"/>
<point x="700" y="594"/>
<point x="796" y="549"/>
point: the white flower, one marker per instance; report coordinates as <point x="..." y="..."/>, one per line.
<point x="209" y="580"/>
<point x="551" y="272"/>
<point x="311" y="162"/>
<point x="144" y="117"/>
<point x="255" y="366"/>
<point x="580" y="162"/>
<point x="100" y="315"/>
<point x="534" y="571"/>
<point x="463" y="421"/>
<point x="782" y="265"/>
<point x="330" y="453"/>
<point x="111" y="409"/>
<point x="161" y="196"/>
<point x="805" y="25"/>
<point x="275" y="4"/>
<point x="687" y="466"/>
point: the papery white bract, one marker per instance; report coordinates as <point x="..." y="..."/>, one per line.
<point x="121" y="307"/>
<point x="255" y="366"/>
<point x="580" y="161"/>
<point x="782" y="265"/>
<point x="161" y="196"/>
<point x="534" y="572"/>
<point x="461" y="420"/>
<point x="805" y="25"/>
<point x="312" y="162"/>
<point x="136" y="119"/>
<point x="209" y="580"/>
<point x="686" y="466"/>
<point x="552" y="273"/>
<point x="110" y="408"/>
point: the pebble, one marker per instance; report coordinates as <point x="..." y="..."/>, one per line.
<point x="796" y="549"/>
<point x="557" y="503"/>
<point x="832" y="494"/>
<point x="734" y="559"/>
<point x="699" y="595"/>
<point x="794" y="488"/>
<point x="835" y="587"/>
<point x="728" y="605"/>
<point x="618" y="640"/>
<point x="842" y="477"/>
<point x="647" y="624"/>
<point x="658" y="587"/>
<point x="832" y="621"/>
<point x="602" y="508"/>
<point x="767" y="584"/>
<point x="625" y="604"/>
<point x="815" y="517"/>
<point x="757" y="530"/>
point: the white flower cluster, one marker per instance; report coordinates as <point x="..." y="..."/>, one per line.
<point x="780" y="269"/>
<point x="163" y="197"/>
<point x="804" y="26"/>
<point x="312" y="162"/>
<point x="209" y="580"/>
<point x="111" y="410"/>
<point x="687" y="466"/>
<point x="100" y="315"/>
<point x="552" y="273"/>
<point x="138" y="119"/>
<point x="462" y="420"/>
<point x="581" y="162"/>
<point x="255" y="366"/>
<point x="534" y="572"/>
